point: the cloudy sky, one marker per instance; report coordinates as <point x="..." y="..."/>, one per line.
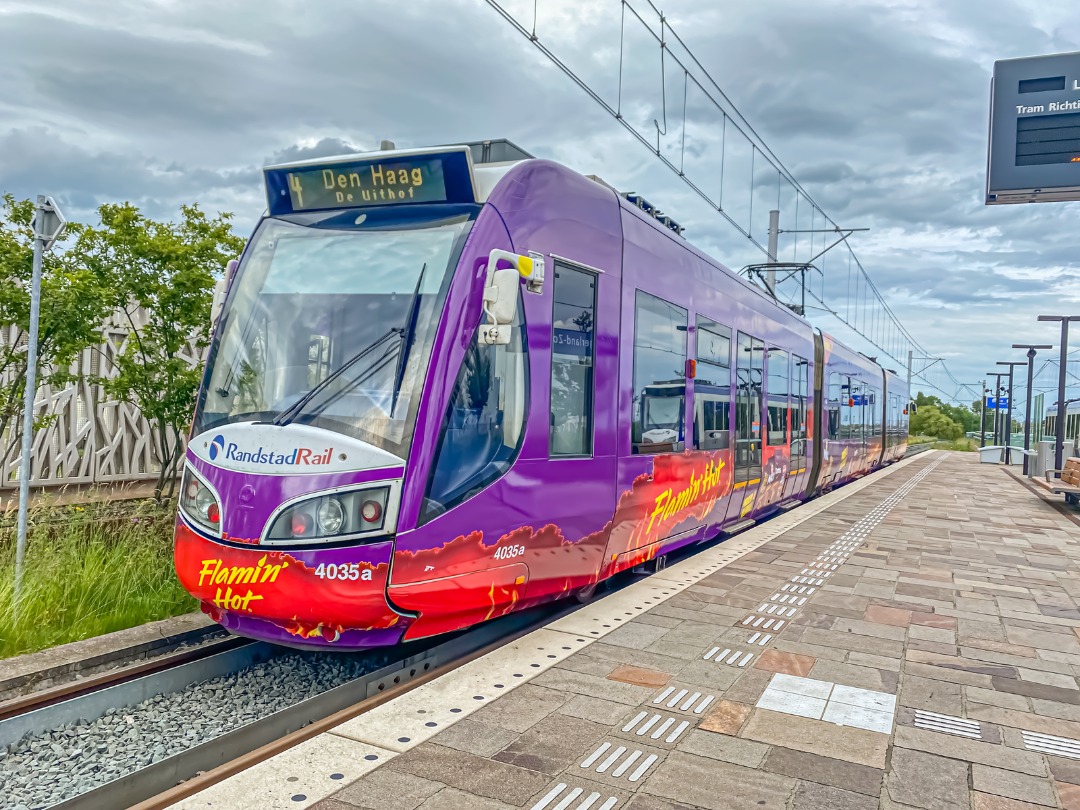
<point x="879" y="109"/>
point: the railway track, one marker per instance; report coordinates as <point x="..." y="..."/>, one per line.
<point x="126" y="704"/>
<point x="165" y="698"/>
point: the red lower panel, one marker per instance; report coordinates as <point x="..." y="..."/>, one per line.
<point x="451" y="603"/>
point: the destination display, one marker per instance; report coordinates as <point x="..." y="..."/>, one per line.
<point x="443" y="177"/>
<point x="1034" y="145"/>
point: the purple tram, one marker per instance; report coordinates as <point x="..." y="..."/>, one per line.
<point x="449" y="383"/>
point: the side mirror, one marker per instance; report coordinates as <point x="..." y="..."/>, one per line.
<point x="501" y="292"/>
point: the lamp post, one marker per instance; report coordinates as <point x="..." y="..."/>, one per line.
<point x="982" y="416"/>
<point x="1031" y="351"/>
<point x="48" y="226"/>
<point x="1008" y="418"/>
<point x="1059" y="437"/>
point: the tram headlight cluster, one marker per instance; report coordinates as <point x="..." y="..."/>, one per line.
<point x="342" y="514"/>
<point x="199" y="503"/>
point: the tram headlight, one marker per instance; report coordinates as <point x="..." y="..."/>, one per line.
<point x="331" y="515"/>
<point x="199" y="503"/>
<point x="328" y="517"/>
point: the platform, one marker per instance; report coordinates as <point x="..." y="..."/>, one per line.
<point x="911" y="640"/>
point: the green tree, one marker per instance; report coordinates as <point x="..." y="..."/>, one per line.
<point x="929" y="420"/>
<point x="967" y="418"/>
<point x="163" y="275"/>
<point x="74" y="302"/>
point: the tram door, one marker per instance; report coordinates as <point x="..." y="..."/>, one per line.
<point x="776" y="457"/>
<point x="749" y="412"/>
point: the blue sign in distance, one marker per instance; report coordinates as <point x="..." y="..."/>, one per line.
<point x="997" y="403"/>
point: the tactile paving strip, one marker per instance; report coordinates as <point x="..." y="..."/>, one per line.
<point x="1048" y="744"/>
<point x="683" y="700"/>
<point x="572" y="795"/>
<point x="947" y="724"/>
<point x="664" y="728"/>
<point x="619" y="761"/>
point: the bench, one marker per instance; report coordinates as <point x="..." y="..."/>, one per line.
<point x="1064" y="482"/>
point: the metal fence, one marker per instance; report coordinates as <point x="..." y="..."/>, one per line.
<point x="90" y="439"/>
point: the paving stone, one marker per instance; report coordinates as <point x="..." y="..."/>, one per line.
<point x="932" y="695"/>
<point x="932" y="634"/>
<point x="1068" y="794"/>
<point x="643" y="801"/>
<point x="639" y="676"/>
<point x="726" y="718"/>
<point x="518" y="710"/>
<point x="454" y="799"/>
<point x="851" y="675"/>
<point x="715" y="677"/>
<point x="635" y="636"/>
<point x="992" y="697"/>
<point x="1043" y="640"/>
<point x="987" y="801"/>
<point x="927" y="781"/>
<point x="888" y="615"/>
<point x="948" y="745"/>
<point x="555" y="743"/>
<point x="835" y="772"/>
<point x="597" y="710"/>
<point x="1036" y="690"/>
<point x="566" y="681"/>
<point x="812" y="796"/>
<point x="735" y="750"/>
<point x="714" y="785"/>
<point x="1065" y="770"/>
<point x="951" y="675"/>
<point x="817" y="737"/>
<point x="384" y="789"/>
<point x="484" y="777"/>
<point x="787" y="663"/>
<point x="933" y="620"/>
<point x="853" y="642"/>
<point x="1012" y="785"/>
<point x="1050" y="708"/>
<point x="476" y="737"/>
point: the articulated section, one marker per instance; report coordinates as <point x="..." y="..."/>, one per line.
<point x="910" y="640"/>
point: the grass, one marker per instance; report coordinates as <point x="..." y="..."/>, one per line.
<point x="89" y="570"/>
<point x="966" y="445"/>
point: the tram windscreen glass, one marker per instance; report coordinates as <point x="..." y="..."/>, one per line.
<point x="409" y="179"/>
<point x="1046" y="139"/>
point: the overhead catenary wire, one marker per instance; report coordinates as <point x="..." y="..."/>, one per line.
<point x="872" y="318"/>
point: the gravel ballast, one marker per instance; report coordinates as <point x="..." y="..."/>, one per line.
<point x="45" y="769"/>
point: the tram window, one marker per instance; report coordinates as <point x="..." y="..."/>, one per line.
<point x="712" y="386"/>
<point x="749" y="368"/>
<point x="484" y="422"/>
<point x="835" y="393"/>
<point x="776" y="394"/>
<point x="573" y="351"/>
<point x="659" y="376"/>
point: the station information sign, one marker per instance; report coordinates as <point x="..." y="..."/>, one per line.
<point x="1034" y="147"/>
<point x="425" y="176"/>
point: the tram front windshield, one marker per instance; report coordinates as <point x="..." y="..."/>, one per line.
<point x="333" y="328"/>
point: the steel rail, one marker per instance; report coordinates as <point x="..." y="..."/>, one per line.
<point x="186" y="773"/>
<point x="83" y="686"/>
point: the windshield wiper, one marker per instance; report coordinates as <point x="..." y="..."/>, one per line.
<point x="406" y="336"/>
<point x="290" y="413"/>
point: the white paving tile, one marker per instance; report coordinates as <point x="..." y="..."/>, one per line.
<point x="865" y="698"/>
<point x="801" y="686"/>
<point x="858" y="716"/>
<point x="791" y="703"/>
